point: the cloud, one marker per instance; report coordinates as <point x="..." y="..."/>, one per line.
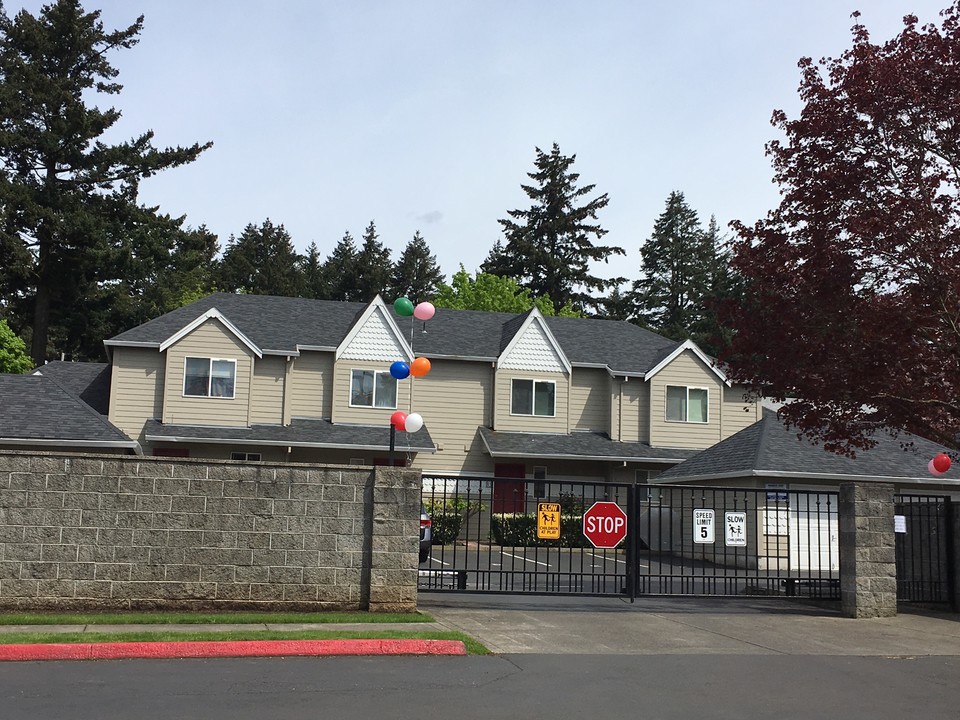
<point x="430" y="218"/>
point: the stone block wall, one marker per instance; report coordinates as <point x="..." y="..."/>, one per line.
<point x="868" y="563"/>
<point x="108" y="532"/>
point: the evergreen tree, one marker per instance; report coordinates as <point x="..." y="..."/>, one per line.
<point x="65" y="193"/>
<point x="675" y="271"/>
<point x="311" y="267"/>
<point x="416" y="275"/>
<point x="262" y="261"/>
<point x="617" y="305"/>
<point x="721" y="286"/>
<point x="549" y="247"/>
<point x="374" y="267"/>
<point x="340" y="271"/>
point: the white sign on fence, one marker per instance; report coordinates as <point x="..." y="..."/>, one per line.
<point x="735" y="529"/>
<point x="703" y="526"/>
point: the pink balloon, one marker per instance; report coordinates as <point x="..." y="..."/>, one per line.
<point x="933" y="470"/>
<point x="424" y="311"/>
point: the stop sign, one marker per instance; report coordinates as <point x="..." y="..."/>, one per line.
<point x="605" y="524"/>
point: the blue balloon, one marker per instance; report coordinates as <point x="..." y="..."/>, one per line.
<point x="400" y="370"/>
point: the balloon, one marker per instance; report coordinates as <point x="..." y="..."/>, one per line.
<point x="398" y="419"/>
<point x="941" y="462"/>
<point x="931" y="466"/>
<point x="424" y="311"/>
<point x="420" y="367"/>
<point x="399" y="370"/>
<point x="403" y="306"/>
<point x="414" y="422"/>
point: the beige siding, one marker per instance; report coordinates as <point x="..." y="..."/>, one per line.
<point x="685" y="370"/>
<point x="311" y="385"/>
<point x="136" y="388"/>
<point x="266" y="393"/>
<point x="736" y="412"/>
<point x="343" y="413"/>
<point x="590" y="391"/>
<point x="210" y="340"/>
<point x="454" y="399"/>
<point x="632" y="410"/>
<point x="530" y="423"/>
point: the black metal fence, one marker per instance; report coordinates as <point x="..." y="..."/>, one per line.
<point x="925" y="549"/>
<point x="679" y="540"/>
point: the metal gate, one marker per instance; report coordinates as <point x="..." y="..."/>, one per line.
<point x="925" y="551"/>
<point x="679" y="541"/>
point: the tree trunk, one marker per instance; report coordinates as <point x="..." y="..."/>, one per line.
<point x="41" y="307"/>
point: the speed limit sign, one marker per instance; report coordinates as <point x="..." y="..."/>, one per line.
<point x="703" y="526"/>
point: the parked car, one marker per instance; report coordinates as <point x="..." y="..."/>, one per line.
<point x="426" y="534"/>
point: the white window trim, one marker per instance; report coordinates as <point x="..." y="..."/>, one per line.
<point x="373" y="397"/>
<point x="686" y="421"/>
<point x="210" y="361"/>
<point x="533" y="403"/>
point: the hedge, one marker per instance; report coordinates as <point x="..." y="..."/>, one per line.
<point x="520" y="530"/>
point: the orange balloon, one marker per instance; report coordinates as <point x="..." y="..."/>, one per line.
<point x="419" y="367"/>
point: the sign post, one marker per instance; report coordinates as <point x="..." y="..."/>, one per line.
<point x="605" y="524"/>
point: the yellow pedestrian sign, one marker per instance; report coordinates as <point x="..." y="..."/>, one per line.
<point x="548" y="521"/>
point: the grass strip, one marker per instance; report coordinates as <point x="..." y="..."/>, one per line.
<point x="22" y="638"/>
<point x="194" y="618"/>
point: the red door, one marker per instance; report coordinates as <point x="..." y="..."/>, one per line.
<point x="509" y="496"/>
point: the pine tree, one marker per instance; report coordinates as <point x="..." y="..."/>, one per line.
<point x="374" y="267"/>
<point x="675" y="271"/>
<point x="722" y="286"/>
<point x="549" y="247"/>
<point x="340" y="270"/>
<point x="262" y="261"/>
<point x="65" y="193"/>
<point x="311" y="267"/>
<point x="416" y="275"/>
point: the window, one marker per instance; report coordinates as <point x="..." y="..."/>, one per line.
<point x="369" y="388"/>
<point x="533" y="397"/>
<point x="209" y="377"/>
<point x="686" y="404"/>
<point x="249" y="457"/>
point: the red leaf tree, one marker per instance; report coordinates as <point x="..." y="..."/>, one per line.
<point x="851" y="303"/>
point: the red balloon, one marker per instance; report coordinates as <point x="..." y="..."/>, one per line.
<point x="941" y="462"/>
<point x="399" y="420"/>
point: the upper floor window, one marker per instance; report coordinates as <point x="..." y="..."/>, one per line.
<point x="209" y="377"/>
<point x="533" y="397"/>
<point x="686" y="404"/>
<point x="369" y="388"/>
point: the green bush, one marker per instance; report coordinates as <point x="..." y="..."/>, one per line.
<point x="447" y="516"/>
<point x="520" y="530"/>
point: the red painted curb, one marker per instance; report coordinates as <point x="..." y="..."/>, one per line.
<point x="236" y="648"/>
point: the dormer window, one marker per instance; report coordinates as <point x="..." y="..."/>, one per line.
<point x="686" y="404"/>
<point x="533" y="397"/>
<point x="369" y="388"/>
<point x="209" y="377"/>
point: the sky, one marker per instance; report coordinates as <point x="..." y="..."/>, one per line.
<point x="425" y="114"/>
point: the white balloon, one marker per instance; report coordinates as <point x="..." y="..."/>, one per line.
<point x="414" y="422"/>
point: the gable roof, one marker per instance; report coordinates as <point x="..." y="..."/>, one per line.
<point x="88" y="381"/>
<point x="37" y="410"/>
<point x="280" y="325"/>
<point x="767" y="449"/>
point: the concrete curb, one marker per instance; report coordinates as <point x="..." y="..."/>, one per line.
<point x="237" y="648"/>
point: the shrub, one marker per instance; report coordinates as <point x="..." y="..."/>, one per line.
<point x="447" y="516"/>
<point x="520" y="530"/>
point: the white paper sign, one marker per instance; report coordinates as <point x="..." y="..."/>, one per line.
<point x="900" y="524"/>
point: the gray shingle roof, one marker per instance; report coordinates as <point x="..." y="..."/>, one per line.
<point x="35" y="408"/>
<point x="300" y="433"/>
<point x="282" y="324"/>
<point x="768" y="449"/>
<point x="88" y="381"/>
<point x="576" y="446"/>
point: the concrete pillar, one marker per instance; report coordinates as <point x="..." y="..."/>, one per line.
<point x="868" y="565"/>
<point x="392" y="537"/>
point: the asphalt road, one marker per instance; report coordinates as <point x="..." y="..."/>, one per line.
<point x="510" y="686"/>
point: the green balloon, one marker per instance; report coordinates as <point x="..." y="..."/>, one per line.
<point x="403" y="307"/>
